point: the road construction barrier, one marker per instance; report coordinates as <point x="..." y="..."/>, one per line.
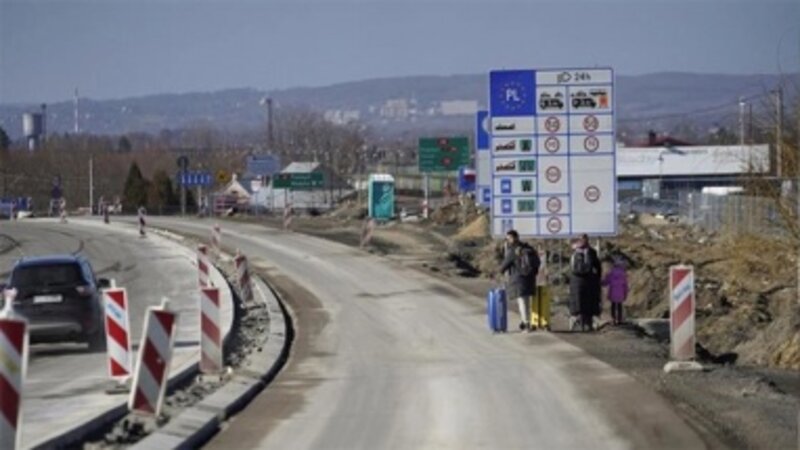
<point x="287" y="217"/>
<point x="216" y="240"/>
<point x="210" y="335"/>
<point x="367" y="231"/>
<point x="243" y="278"/>
<point x="681" y="312"/>
<point x="118" y="336"/>
<point x="13" y="364"/>
<point x="153" y="361"/>
<point x="203" y="266"/>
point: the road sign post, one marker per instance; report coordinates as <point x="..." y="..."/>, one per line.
<point x="681" y="319"/>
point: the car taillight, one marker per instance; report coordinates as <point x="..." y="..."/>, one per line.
<point x="84" y="291"/>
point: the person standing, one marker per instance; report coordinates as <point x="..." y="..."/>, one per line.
<point x="617" y="282"/>
<point x="584" y="283"/>
<point x="521" y="263"/>
<point x="142" y="213"/>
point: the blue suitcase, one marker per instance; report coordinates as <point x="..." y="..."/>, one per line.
<point x="496" y="310"/>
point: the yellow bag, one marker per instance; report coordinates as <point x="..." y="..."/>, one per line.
<point x="540" y="307"/>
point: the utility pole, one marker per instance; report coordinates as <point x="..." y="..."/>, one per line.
<point x="779" y="131"/>
<point x="270" y="135"/>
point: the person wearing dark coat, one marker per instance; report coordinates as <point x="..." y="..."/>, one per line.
<point x="520" y="286"/>
<point x="584" y="283"/>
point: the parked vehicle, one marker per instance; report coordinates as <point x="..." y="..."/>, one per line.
<point x="60" y="296"/>
<point x="647" y="205"/>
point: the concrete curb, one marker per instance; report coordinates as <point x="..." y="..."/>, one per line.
<point x="80" y="432"/>
<point x="196" y="425"/>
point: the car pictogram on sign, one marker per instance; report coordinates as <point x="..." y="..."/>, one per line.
<point x="582" y="100"/>
<point x="591" y="144"/>
<point x="592" y="193"/>
<point x="546" y="101"/>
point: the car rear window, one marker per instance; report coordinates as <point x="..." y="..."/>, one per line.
<point x="47" y="275"/>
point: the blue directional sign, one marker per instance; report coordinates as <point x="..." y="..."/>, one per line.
<point x="513" y="93"/>
<point x="191" y="179"/>
<point x="263" y="165"/>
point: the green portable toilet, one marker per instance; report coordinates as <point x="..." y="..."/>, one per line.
<point x="381" y="196"/>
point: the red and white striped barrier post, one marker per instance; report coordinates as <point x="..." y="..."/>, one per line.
<point x="210" y="336"/>
<point x="366" y="232"/>
<point x="287" y="217"/>
<point x="118" y="336"/>
<point x="216" y="240"/>
<point x="13" y="364"/>
<point x="153" y="361"/>
<point x="243" y="277"/>
<point x="681" y="319"/>
<point x="203" y="277"/>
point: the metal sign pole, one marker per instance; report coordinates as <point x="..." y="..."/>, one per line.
<point x="427" y="204"/>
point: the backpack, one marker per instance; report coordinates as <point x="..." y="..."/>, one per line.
<point x="581" y="263"/>
<point x="527" y="261"/>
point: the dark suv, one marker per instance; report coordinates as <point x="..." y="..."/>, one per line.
<point x="60" y="296"/>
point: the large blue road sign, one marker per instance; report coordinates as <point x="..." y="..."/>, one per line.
<point x="263" y="165"/>
<point x="192" y="179"/>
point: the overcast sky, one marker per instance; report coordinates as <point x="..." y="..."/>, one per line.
<point x="115" y="48"/>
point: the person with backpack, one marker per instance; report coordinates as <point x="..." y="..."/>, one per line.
<point x="584" y="284"/>
<point x="521" y="263"/>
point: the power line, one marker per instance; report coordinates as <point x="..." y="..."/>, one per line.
<point x="696" y="112"/>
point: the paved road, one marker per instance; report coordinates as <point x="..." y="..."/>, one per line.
<point x="65" y="384"/>
<point x="386" y="357"/>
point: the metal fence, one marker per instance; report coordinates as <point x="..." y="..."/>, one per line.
<point x="732" y="213"/>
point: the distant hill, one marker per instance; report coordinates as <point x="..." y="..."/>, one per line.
<point x="405" y="105"/>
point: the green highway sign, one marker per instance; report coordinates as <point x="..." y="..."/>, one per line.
<point x="443" y="154"/>
<point x="297" y="181"/>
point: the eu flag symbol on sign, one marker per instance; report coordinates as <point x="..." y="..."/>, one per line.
<point x="506" y="206"/>
<point x="512" y="93"/>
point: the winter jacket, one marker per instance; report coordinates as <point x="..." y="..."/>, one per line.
<point x="519" y="285"/>
<point x="617" y="282"/>
<point x="585" y="290"/>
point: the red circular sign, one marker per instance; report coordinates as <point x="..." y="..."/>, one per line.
<point x="554" y="204"/>
<point x="554" y="225"/>
<point x="552" y="124"/>
<point x="592" y="193"/>
<point x="553" y="174"/>
<point x="552" y="144"/>
<point x="590" y="123"/>
<point x="591" y="144"/>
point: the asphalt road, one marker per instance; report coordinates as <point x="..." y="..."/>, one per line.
<point x="65" y="384"/>
<point x="387" y="357"/>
